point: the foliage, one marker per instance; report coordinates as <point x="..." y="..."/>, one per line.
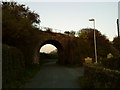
<point x="104" y="46"/>
<point x="18" y="28"/>
<point x="49" y="29"/>
<point x="72" y="33"/>
<point x="112" y="63"/>
<point x="14" y="72"/>
<point x="99" y="77"/>
<point x="116" y="43"/>
<point x="67" y="32"/>
<point x="13" y="66"/>
<point x="18" y="23"/>
<point x="20" y="12"/>
<point x="48" y="56"/>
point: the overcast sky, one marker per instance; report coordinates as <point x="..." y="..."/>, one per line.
<point x="68" y="16"/>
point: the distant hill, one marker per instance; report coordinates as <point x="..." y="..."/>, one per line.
<point x="54" y="51"/>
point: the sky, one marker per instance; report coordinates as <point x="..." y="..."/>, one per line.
<point x="119" y="14"/>
<point x="67" y="16"/>
<point x="47" y="48"/>
<point x="74" y="15"/>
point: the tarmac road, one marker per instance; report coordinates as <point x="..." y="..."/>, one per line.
<point x="52" y="75"/>
<point x="0" y="67"/>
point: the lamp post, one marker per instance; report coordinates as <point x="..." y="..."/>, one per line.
<point x="94" y="39"/>
<point x="118" y="27"/>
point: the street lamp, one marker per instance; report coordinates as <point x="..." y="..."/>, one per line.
<point x="94" y="39"/>
<point x="118" y="27"/>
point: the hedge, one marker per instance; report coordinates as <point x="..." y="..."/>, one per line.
<point x="13" y="66"/>
<point x="102" y="77"/>
<point x="112" y="63"/>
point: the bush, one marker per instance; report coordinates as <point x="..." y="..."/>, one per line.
<point x="112" y="63"/>
<point x="12" y="66"/>
<point x="99" y="77"/>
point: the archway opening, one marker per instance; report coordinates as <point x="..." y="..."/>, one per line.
<point x="49" y="54"/>
<point x="51" y="51"/>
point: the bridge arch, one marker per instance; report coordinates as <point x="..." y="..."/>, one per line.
<point x="59" y="47"/>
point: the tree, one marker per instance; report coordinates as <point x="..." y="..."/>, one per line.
<point x="18" y="23"/>
<point x="104" y="46"/>
<point x="49" y="29"/>
<point x="72" y="33"/>
<point x="20" y="11"/>
<point x="67" y="32"/>
<point x="116" y="43"/>
<point x="18" y="28"/>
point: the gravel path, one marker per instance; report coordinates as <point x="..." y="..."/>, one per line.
<point x="52" y="75"/>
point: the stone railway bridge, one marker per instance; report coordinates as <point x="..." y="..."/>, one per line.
<point x="66" y="45"/>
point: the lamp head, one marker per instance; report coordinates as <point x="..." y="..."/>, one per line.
<point x="91" y="19"/>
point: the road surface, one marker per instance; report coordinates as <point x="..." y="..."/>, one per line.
<point x="0" y="67"/>
<point x="52" y="75"/>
